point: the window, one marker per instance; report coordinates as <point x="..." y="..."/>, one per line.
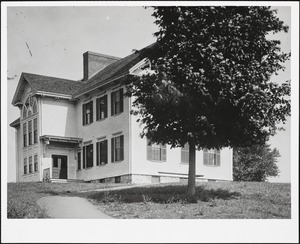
<point x="88" y="156"/>
<point x="211" y="157"/>
<point x="185" y="154"/>
<point x="30" y="107"/>
<point x="35" y="163"/>
<point x="30" y="164"/>
<point x="156" y="152"/>
<point x="25" y="166"/>
<point x="102" y="152"/>
<point x="35" y="131"/>
<point x="155" y="179"/>
<point x="25" y="135"/>
<point x="118" y="179"/>
<point x="117" y="102"/>
<point x="55" y="162"/>
<point x="34" y="108"/>
<point x="101" y="108"/>
<point x="29" y="112"/>
<point x="24" y="112"/>
<point x="78" y="160"/>
<point x="117" y="148"/>
<point x="87" y="113"/>
<point x="30" y="132"/>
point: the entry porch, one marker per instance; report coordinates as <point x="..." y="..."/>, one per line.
<point x="59" y="161"/>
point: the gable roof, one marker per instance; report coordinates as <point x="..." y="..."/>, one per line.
<point x="47" y="85"/>
<point x="52" y="84"/>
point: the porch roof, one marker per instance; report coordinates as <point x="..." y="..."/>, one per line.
<point x="16" y="123"/>
<point x="61" y="139"/>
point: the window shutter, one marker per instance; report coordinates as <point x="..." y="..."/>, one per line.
<point x="105" y="106"/>
<point x="91" y="107"/>
<point x="112" y="103"/>
<point x="121" y="100"/>
<point x="92" y="154"/>
<point x="112" y="149"/>
<point x="104" y="151"/>
<point x="149" y="150"/>
<point x="122" y="147"/>
<point x="218" y="159"/>
<point x="83" y="114"/>
<point x="97" y="109"/>
<point x="163" y="153"/>
<point x="79" y="160"/>
<point x="83" y="159"/>
<point x="205" y="157"/>
<point x="97" y="152"/>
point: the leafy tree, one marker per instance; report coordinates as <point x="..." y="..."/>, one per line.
<point x="255" y="163"/>
<point x="211" y="84"/>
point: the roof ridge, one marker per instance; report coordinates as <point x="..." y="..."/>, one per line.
<point x="47" y="76"/>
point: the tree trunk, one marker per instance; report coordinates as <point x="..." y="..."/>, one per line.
<point x="192" y="169"/>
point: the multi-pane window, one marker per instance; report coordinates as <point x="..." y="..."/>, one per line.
<point x="88" y="156"/>
<point x="30" y="127"/>
<point x="185" y="154"/>
<point x="102" y="152"/>
<point x="29" y="113"/>
<point x="117" y="102"/>
<point x="35" y="131"/>
<point x="36" y="163"/>
<point x="117" y="148"/>
<point x="25" y="134"/>
<point x="101" y="108"/>
<point x="30" y="164"/>
<point x="25" y="166"/>
<point x="24" y="112"/>
<point x="30" y="107"/>
<point x="34" y="107"/>
<point x="211" y="157"/>
<point x="156" y="152"/>
<point x="87" y="113"/>
<point x="79" y="160"/>
<point x="30" y="132"/>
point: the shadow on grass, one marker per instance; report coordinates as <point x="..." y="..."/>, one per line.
<point x="162" y="194"/>
<point x="49" y="192"/>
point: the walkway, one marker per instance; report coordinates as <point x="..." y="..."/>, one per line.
<point x="61" y="207"/>
<point x="73" y="207"/>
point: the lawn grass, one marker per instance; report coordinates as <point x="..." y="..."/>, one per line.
<point x="214" y="200"/>
<point x="22" y="197"/>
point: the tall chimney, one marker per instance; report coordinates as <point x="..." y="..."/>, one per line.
<point x="94" y="62"/>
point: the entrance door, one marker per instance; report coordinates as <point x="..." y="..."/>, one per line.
<point x="59" y="167"/>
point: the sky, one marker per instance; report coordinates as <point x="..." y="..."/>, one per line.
<point x="50" y="41"/>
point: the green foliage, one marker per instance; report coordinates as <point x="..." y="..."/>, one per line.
<point x="255" y="163"/>
<point x="211" y="82"/>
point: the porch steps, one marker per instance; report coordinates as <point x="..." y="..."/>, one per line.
<point x="65" y="180"/>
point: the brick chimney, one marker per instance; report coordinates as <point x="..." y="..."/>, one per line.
<point x="94" y="62"/>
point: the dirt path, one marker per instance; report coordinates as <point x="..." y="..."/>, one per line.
<point x="65" y="207"/>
